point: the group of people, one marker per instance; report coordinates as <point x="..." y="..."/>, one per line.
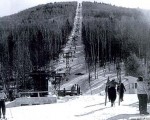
<point x="75" y="89"/>
<point x="112" y="91"/>
<point x="112" y="87"/>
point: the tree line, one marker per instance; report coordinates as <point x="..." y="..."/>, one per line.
<point x="111" y="34"/>
<point x="32" y="38"/>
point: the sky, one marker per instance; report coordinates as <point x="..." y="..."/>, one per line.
<point x="8" y="7"/>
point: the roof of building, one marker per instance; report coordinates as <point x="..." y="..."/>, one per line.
<point x="131" y="79"/>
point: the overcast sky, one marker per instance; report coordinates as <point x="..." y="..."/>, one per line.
<point x="8" y="7"/>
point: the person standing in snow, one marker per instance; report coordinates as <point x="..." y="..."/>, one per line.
<point x="142" y="93"/>
<point x="121" y="89"/>
<point x="64" y="92"/>
<point x="112" y="91"/>
<point x="2" y="102"/>
<point x="107" y="89"/>
<point x="72" y="90"/>
<point x="78" y="89"/>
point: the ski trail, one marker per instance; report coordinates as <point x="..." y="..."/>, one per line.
<point x="77" y="62"/>
<point x="76" y="47"/>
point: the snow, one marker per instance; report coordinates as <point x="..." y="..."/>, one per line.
<point x="86" y="107"/>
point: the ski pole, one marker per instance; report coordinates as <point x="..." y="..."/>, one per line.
<point x="10" y="112"/>
<point x="106" y="91"/>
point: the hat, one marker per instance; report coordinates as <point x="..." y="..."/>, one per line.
<point x="113" y="80"/>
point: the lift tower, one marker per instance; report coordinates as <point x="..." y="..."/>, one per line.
<point x="67" y="56"/>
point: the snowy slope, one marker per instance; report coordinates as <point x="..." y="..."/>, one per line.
<point x="89" y="107"/>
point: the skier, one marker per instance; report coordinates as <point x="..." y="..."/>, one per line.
<point x="107" y="89"/>
<point x="2" y="102"/>
<point x="112" y="91"/>
<point x="64" y="92"/>
<point x="72" y="90"/>
<point x="121" y="88"/>
<point x="78" y="89"/>
<point x="142" y="93"/>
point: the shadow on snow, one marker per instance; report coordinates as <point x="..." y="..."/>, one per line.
<point x="91" y="112"/>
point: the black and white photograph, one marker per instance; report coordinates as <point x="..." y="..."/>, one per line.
<point x="74" y="59"/>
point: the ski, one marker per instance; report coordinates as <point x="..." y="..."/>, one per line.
<point x="106" y="95"/>
<point x="119" y="91"/>
<point x="106" y="91"/>
<point x="119" y="77"/>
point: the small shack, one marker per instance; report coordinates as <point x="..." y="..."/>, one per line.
<point x="130" y="84"/>
<point x="40" y="80"/>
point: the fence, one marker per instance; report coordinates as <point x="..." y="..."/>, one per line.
<point x="32" y="98"/>
<point x="33" y="94"/>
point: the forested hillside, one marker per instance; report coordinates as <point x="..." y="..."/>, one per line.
<point x="112" y="33"/>
<point x="32" y="38"/>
